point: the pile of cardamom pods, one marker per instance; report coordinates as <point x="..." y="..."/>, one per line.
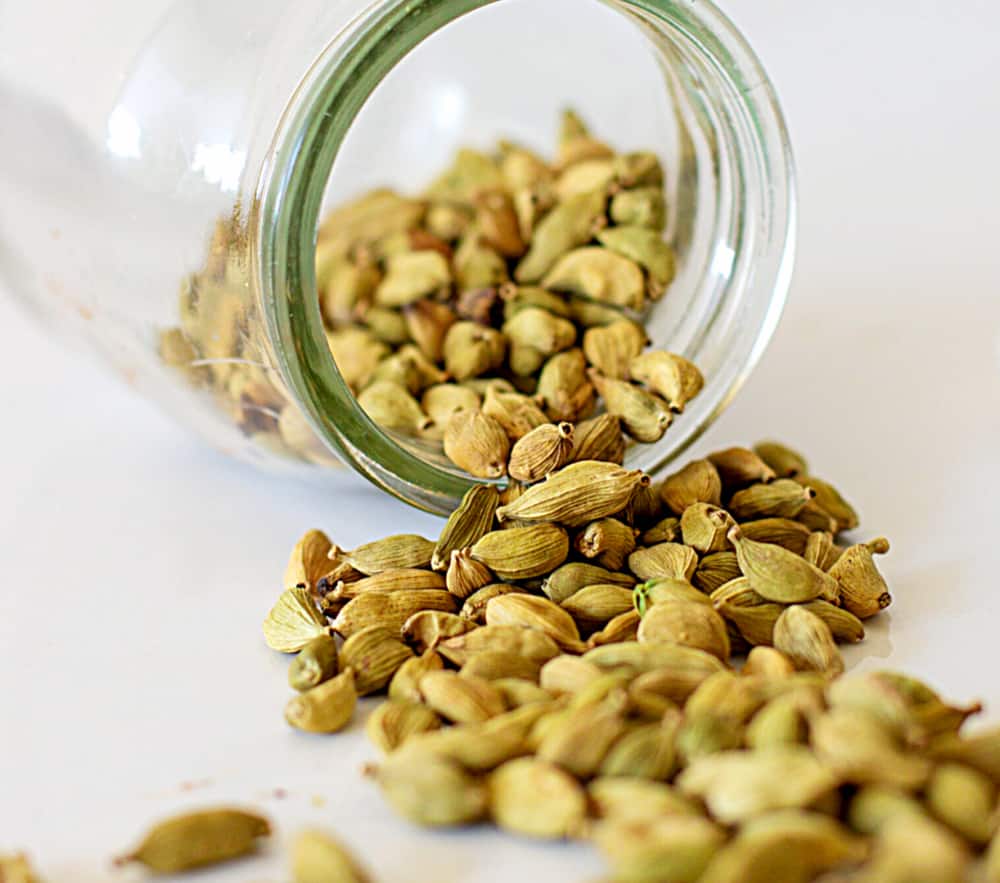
<point x="560" y="662"/>
<point x="507" y="297"/>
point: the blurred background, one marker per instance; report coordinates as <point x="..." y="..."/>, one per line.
<point x="137" y="562"/>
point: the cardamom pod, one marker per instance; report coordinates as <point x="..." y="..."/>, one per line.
<point x="391" y="553"/>
<point x="843" y="624"/>
<point x="569" y="225"/>
<point x="521" y="167"/>
<point x="318" y="858"/>
<point x="518" y="692"/>
<point x="477" y="443"/>
<point x="686" y="623"/>
<point x="471" y="521"/>
<point x="667" y="530"/>
<point x="531" y="611"/>
<point x="861" y="750"/>
<point x="671" y="670"/>
<point x="567" y="674"/>
<point x="661" y="591"/>
<point x="462" y="700"/>
<point x="807" y="640"/>
<point x="524" y="552"/>
<point x="600" y="275"/>
<point x="607" y="541"/>
<point x="677" y="848"/>
<point x="541" y="452"/>
<point x="308" y="562"/>
<point x="585" y="176"/>
<point x="539" y="330"/>
<point x="327" y="708"/>
<point x="828" y="499"/>
<point x="529" y="643"/>
<point x="611" y="348"/>
<point x="357" y="354"/>
<point x="577" y="494"/>
<point x="754" y="624"/>
<point x="817" y="519"/>
<point x="497" y="223"/>
<point x="739" y="467"/>
<point x="393" y="407"/>
<point x="579" y="742"/>
<point x="293" y="622"/>
<point x="715" y="570"/>
<point x="672" y="377"/>
<point x="781" y="722"/>
<point x="642" y="207"/>
<point x="374" y="654"/>
<point x="198" y="839"/>
<point x="646" y="752"/>
<point x="537" y="799"/>
<point x="407" y="579"/>
<point x="644" y="416"/>
<point x="785" y="462"/>
<point x="425" y="629"/>
<point x="647" y="248"/>
<point x="737" y="786"/>
<point x="389" y="610"/>
<point x="981" y="751"/>
<point x="433" y="792"/>
<point x="874" y="805"/>
<point x="495" y="665"/>
<point x="697" y="482"/>
<point x="427" y="323"/>
<point x="705" y="528"/>
<point x="466" y="576"/>
<point x="443" y="400"/>
<point x="620" y="798"/>
<point x="474" y="608"/>
<point x="599" y="439"/>
<point x="316" y="663"/>
<point x="470" y="174"/>
<point x="563" y="387"/>
<point x="664" y="561"/>
<point x="624" y="627"/>
<point x="596" y="606"/>
<point x="782" y="532"/>
<point x="821" y="550"/>
<point x="769" y="663"/>
<point x="782" y="498"/>
<point x="563" y="582"/>
<point x="779" y="575"/>
<point x="405" y="683"/>
<point x="914" y="847"/>
<point x="863" y="590"/>
<point x="517" y="414"/>
<point x="964" y="799"/>
<point x="786" y="845"/>
<point x="471" y="350"/>
<point x="576" y="144"/>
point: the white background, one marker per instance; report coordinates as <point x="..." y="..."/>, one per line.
<point x="136" y="564"/>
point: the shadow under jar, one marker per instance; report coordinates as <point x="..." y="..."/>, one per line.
<point x="240" y="124"/>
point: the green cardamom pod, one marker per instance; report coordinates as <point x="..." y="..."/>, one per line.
<point x="198" y="839"/>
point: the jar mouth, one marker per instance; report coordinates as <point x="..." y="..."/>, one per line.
<point x="742" y="268"/>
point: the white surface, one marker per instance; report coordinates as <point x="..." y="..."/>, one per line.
<point x="136" y="565"/>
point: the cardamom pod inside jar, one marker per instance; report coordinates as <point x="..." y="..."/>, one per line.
<point x="426" y="238"/>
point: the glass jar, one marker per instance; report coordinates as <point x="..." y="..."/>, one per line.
<point x="200" y="152"/>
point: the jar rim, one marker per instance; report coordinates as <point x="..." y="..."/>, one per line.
<point x="294" y="178"/>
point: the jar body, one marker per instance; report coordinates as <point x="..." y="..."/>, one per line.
<point x="174" y="226"/>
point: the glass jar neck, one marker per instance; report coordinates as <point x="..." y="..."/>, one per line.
<point x="736" y="180"/>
